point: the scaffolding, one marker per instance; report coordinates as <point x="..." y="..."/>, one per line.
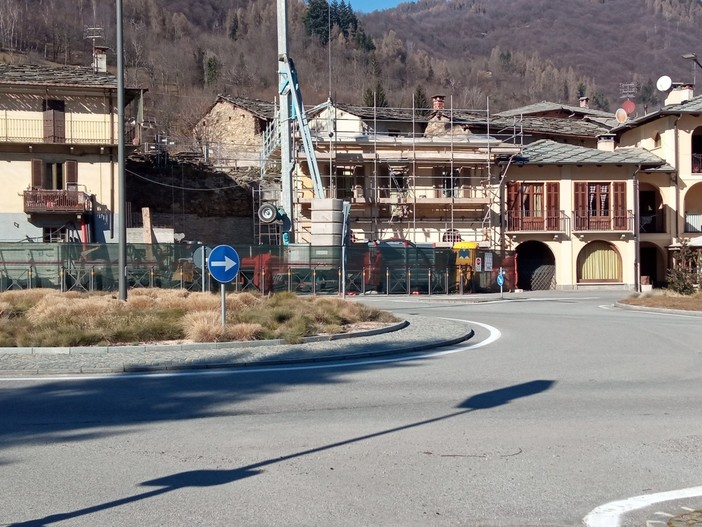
<point x="408" y="170"/>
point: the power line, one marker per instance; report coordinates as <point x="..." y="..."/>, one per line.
<point x="181" y="188"/>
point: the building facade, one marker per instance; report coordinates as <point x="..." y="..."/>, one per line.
<point x="58" y="153"/>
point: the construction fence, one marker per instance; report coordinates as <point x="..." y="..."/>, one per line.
<point x="364" y="268"/>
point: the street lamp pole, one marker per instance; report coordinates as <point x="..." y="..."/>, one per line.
<point x="121" y="178"/>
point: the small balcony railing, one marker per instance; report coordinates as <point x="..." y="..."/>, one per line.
<point x="56" y="202"/>
<point x="72" y="131"/>
<point x="551" y="221"/>
<point x="696" y="164"/>
<point x="615" y="220"/>
<point x="652" y="223"/>
<point x="693" y="222"/>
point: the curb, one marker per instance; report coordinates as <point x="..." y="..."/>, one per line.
<point x="75" y="350"/>
<point x="659" y="310"/>
<point x="180" y="367"/>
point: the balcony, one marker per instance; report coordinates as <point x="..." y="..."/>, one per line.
<point x="652" y="223"/>
<point x="70" y="132"/>
<point x="696" y="163"/>
<point x="39" y="201"/>
<point x="693" y="222"/>
<point x="615" y="221"/>
<point x="552" y="221"/>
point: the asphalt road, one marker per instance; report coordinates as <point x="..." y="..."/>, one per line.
<point x="574" y="406"/>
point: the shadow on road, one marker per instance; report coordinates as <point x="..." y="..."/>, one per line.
<point x="210" y="478"/>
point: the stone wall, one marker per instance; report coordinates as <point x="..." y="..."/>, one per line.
<point x="198" y="202"/>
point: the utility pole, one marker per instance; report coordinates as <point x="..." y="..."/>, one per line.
<point x="286" y="157"/>
<point x="121" y="178"/>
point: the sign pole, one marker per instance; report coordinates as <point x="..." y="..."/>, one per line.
<point x="223" y="264"/>
<point x="224" y="303"/>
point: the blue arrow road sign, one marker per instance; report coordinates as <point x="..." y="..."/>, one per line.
<point x="500" y="280"/>
<point x="223" y="263"/>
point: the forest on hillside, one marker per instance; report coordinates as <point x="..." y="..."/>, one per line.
<point x="504" y="53"/>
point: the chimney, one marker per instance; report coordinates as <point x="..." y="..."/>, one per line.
<point x="100" y="59"/>
<point x="605" y="142"/>
<point x="437" y="102"/>
<point x="584" y="102"/>
<point x="680" y="94"/>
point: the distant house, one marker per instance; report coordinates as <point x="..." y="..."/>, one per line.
<point x="58" y="150"/>
<point x="582" y="200"/>
<point x="231" y="132"/>
<point x="670" y="201"/>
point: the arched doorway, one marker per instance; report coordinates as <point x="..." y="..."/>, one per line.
<point x="651" y="264"/>
<point x="693" y="208"/>
<point x="599" y="261"/>
<point x="536" y="267"/>
<point x="652" y="215"/>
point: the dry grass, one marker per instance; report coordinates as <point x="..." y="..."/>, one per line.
<point x="44" y="317"/>
<point x="663" y="298"/>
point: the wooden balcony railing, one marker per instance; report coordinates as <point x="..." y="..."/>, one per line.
<point x="615" y="220"/>
<point x="56" y="201"/>
<point x="549" y="221"/>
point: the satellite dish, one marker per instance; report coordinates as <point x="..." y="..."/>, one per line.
<point x="621" y="116"/>
<point x="629" y="106"/>
<point x="664" y="83"/>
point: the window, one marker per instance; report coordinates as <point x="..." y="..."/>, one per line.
<point x="54" y="176"/>
<point x="533" y="206"/>
<point x="55" y="234"/>
<point x="598" y="199"/>
<point x="657" y="140"/>
<point x="451" y="235"/>
<point x="601" y="206"/>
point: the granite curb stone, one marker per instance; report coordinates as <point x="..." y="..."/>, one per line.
<point x="658" y="310"/>
<point x="414" y="334"/>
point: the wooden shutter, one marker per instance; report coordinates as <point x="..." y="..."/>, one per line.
<point x="580" y="205"/>
<point x="553" y="206"/>
<point x="513" y="206"/>
<point x="619" y="212"/>
<point x="71" y="174"/>
<point x="37" y="173"/>
<point x="54" y="121"/>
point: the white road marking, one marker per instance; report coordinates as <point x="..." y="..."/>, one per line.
<point x="609" y="514"/>
<point x="495" y="334"/>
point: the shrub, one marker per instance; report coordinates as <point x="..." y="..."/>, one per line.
<point x="682" y="277"/>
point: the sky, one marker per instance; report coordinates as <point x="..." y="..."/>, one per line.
<point x="366" y="6"/>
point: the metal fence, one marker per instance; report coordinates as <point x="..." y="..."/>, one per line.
<point x="303" y="269"/>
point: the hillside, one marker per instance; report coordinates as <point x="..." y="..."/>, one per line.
<point x="513" y="51"/>
<point x="608" y="41"/>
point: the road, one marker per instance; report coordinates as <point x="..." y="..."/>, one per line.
<point x="574" y="406"/>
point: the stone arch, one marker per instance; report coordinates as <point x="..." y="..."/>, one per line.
<point x="536" y="266"/>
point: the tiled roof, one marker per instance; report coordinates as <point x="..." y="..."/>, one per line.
<point x="35" y="75"/>
<point x="262" y="109"/>
<point x="383" y="114"/>
<point x="546" y="152"/>
<point x="546" y="106"/>
<point x="549" y="125"/>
